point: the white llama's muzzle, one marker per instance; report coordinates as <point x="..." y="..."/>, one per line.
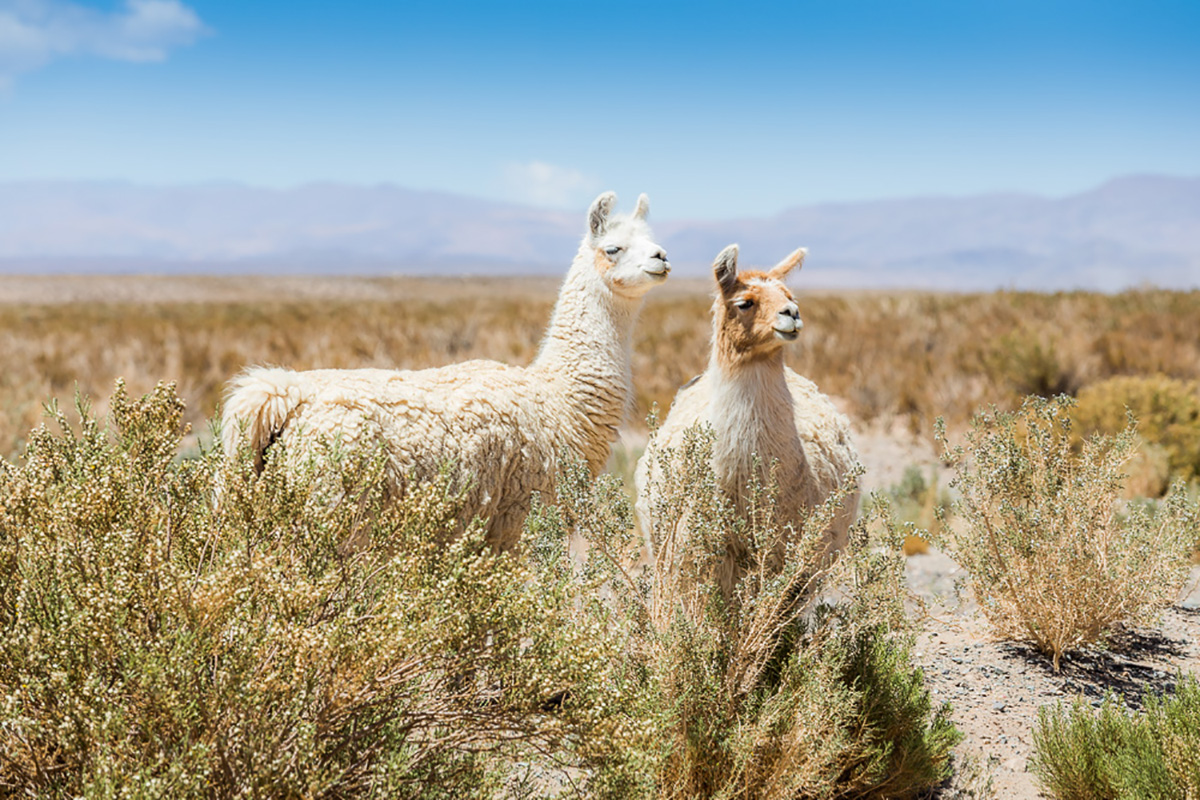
<point x="658" y="266"/>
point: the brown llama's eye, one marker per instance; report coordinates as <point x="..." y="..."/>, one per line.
<point x="744" y="304"/>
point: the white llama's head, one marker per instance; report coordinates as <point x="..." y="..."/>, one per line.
<point x="754" y="312"/>
<point x="623" y="249"/>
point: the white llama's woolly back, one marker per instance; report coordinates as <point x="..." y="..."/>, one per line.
<point x="503" y="427"/>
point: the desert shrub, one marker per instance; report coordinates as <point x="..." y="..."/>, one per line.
<point x="153" y="644"/>
<point x="1055" y="558"/>
<point x="1112" y="753"/>
<point x="800" y="685"/>
<point x="1167" y="411"/>
<point x="923" y="503"/>
<point x="1029" y="362"/>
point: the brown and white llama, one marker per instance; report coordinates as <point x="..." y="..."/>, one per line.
<point x="503" y="427"/>
<point x="769" y="423"/>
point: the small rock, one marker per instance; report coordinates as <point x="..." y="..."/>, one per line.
<point x="999" y="705"/>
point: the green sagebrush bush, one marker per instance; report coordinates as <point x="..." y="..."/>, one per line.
<point x="799" y="686"/>
<point x="1112" y="753"/>
<point x="1167" y="411"/>
<point x="1055" y="557"/>
<point x="302" y="637"/>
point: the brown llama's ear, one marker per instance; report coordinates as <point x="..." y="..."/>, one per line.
<point x="725" y="269"/>
<point x="598" y="214"/>
<point x="794" y="261"/>
<point x="643" y="206"/>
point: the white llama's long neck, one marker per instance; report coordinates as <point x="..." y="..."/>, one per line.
<point x="752" y="416"/>
<point x="585" y="361"/>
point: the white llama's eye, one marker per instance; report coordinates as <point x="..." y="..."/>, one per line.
<point x="612" y="250"/>
<point x="744" y="303"/>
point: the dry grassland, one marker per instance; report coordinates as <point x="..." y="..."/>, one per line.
<point x="895" y="360"/>
<point x="906" y="355"/>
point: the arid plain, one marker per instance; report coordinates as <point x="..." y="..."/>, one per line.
<point x="894" y="362"/>
<point x="892" y="359"/>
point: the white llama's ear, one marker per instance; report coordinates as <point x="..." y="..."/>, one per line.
<point x="643" y="206"/>
<point x="598" y="213"/>
<point x="725" y="269"/>
<point x="794" y="261"/>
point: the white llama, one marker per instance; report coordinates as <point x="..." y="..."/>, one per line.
<point x="504" y="427"/>
<point x="765" y="417"/>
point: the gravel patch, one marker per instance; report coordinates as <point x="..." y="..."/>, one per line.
<point x="995" y="688"/>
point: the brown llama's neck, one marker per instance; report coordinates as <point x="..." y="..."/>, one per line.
<point x="752" y="416"/>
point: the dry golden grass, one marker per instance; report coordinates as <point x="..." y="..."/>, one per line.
<point x="915" y="355"/>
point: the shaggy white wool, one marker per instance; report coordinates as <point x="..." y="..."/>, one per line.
<point x="503" y="427"/>
<point x="761" y="413"/>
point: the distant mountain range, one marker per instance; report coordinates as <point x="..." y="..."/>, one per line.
<point x="1130" y="231"/>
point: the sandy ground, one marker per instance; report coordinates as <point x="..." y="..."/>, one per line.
<point x="995" y="688"/>
<point x="887" y="449"/>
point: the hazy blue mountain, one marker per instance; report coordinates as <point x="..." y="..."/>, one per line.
<point x="1127" y="232"/>
<point x="316" y="226"/>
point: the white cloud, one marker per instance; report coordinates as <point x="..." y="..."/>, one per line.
<point x="35" y="32"/>
<point x="542" y="184"/>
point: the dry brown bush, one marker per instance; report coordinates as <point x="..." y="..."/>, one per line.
<point x="1055" y="558"/>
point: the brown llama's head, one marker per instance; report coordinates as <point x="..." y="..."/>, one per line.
<point x="754" y="312"/>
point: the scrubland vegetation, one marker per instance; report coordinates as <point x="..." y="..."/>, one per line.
<point x="299" y="639"/>
<point x="1059" y="559"/>
<point x="303" y="638"/>
<point x="916" y="356"/>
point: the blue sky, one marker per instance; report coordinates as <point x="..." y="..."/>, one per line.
<point x="718" y="110"/>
